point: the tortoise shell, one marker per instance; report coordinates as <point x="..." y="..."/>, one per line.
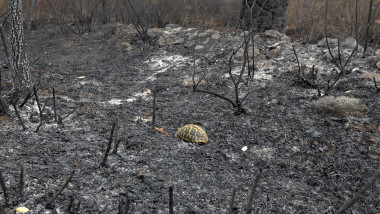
<point x="192" y="133"/>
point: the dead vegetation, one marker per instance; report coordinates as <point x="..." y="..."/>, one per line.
<point x="304" y="20"/>
<point x="242" y="76"/>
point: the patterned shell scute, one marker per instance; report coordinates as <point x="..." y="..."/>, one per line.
<point x="192" y="133"/>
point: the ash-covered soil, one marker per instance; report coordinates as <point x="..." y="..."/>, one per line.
<point x="312" y="162"/>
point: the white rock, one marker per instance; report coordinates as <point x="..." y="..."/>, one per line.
<point x="215" y="36"/>
<point x="198" y="47"/>
<point x="178" y="41"/>
<point x="273" y="34"/>
<point x="332" y="43"/>
<point x="206" y="41"/>
<point x="378" y="65"/>
<point x="349" y="43"/>
<point x="202" y="34"/>
<point x="334" y="52"/>
<point x="127" y="46"/>
<point x="189" y="44"/>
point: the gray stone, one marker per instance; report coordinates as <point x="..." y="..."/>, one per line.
<point x="377" y="52"/>
<point x="378" y="65"/>
<point x="215" y="36"/>
<point x="334" y="52"/>
<point x="160" y="42"/>
<point x="332" y="43"/>
<point x="127" y="46"/>
<point x="206" y="41"/>
<point x="273" y="34"/>
<point x="198" y="47"/>
<point x="189" y="44"/>
<point x="202" y="34"/>
<point x="240" y="53"/>
<point x="178" y="41"/>
<point x="286" y="38"/>
<point x="349" y="43"/>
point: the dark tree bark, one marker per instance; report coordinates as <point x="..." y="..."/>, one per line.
<point x="104" y="13"/>
<point x="264" y="15"/>
<point x="18" y="59"/>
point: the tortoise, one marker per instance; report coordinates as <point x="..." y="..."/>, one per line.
<point x="192" y="133"/>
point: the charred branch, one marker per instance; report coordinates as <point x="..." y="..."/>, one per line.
<point x="19" y="116"/>
<point x="123" y="207"/>
<point x="109" y="144"/>
<point x="21" y="185"/>
<point x="154" y="109"/>
<point x="5" y="190"/>
<point x="339" y="64"/>
<point x="359" y="195"/>
<point x="55" y="196"/>
<point x="377" y="88"/>
<point x="171" y="205"/>
<point x="38" y="102"/>
<point x="232" y="202"/>
<point x="54" y="107"/>
<point x="253" y="191"/>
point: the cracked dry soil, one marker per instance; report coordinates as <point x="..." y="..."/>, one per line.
<point x="313" y="162"/>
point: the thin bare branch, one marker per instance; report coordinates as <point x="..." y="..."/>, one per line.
<point x="349" y="203"/>
<point x="367" y="28"/>
<point x="55" y="196"/>
<point x="253" y="191"/>
<point x="232" y="201"/>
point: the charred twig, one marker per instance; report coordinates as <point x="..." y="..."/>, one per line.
<point x="71" y="204"/>
<point x="55" y="196"/>
<point x="39" y="126"/>
<point x="171" y="200"/>
<point x="232" y="201"/>
<point x="218" y="95"/>
<point x="73" y="207"/>
<point x="140" y="26"/>
<point x="301" y="72"/>
<point x="5" y="191"/>
<point x="109" y="145"/>
<point x="76" y="209"/>
<point x="349" y="203"/>
<point x="117" y="141"/>
<point x="21" y="185"/>
<point x="2" y="211"/>
<point x="55" y="107"/>
<point x="4" y="43"/>
<point x="38" y="102"/>
<point x="27" y="97"/>
<point x="377" y="88"/>
<point x="245" y="70"/>
<point x="123" y="207"/>
<point x="30" y="19"/>
<point x="255" y="184"/>
<point x="154" y="109"/>
<point x="367" y="28"/>
<point x="237" y="103"/>
<point x="19" y="116"/>
<point x="341" y="66"/>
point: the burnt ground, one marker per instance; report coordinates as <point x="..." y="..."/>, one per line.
<point x="313" y="162"/>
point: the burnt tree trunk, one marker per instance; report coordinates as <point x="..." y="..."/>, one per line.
<point x="104" y="13"/>
<point x="264" y="15"/>
<point x="18" y="59"/>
